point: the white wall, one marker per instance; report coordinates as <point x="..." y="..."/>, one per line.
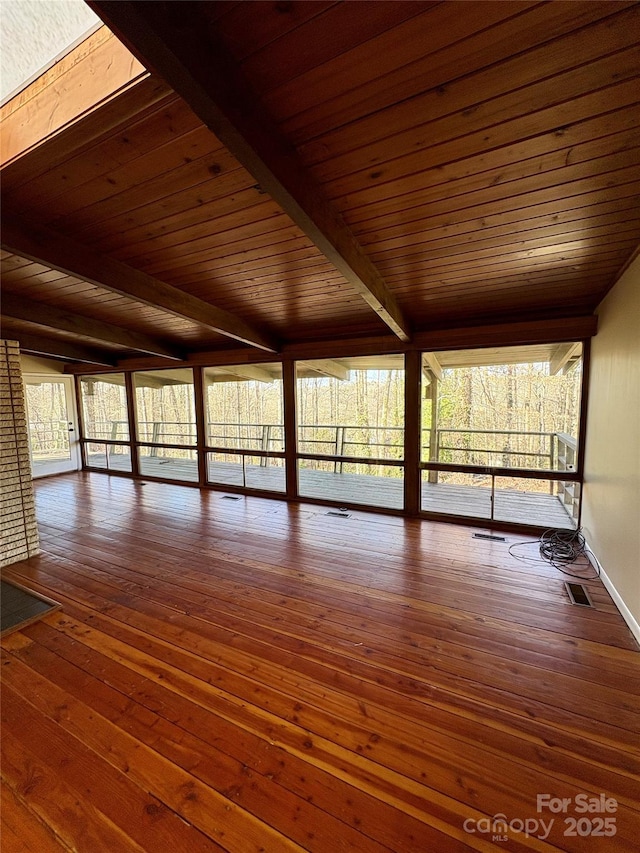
<point x="611" y="501"/>
<point x="39" y="365"/>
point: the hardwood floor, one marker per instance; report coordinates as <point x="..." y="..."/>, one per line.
<point x="255" y="676"/>
<point x="520" y="507"/>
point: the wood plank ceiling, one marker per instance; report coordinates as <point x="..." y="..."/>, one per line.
<point x="452" y="169"/>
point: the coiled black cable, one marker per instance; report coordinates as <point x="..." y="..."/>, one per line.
<point x="562" y="548"/>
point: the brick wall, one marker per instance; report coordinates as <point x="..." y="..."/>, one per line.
<point x="19" y="533"/>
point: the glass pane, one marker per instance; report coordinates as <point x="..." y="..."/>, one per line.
<point x="168" y="463"/>
<point x="48" y="422"/>
<point x="104" y="406"/>
<point x="373" y="485"/>
<point x="244" y="407"/>
<point x="543" y="503"/>
<point x="352" y="407"/>
<point x="264" y="473"/>
<point x="165" y="406"/>
<point x="252" y="472"/>
<point x="512" y="407"/>
<point x="455" y="493"/>
<point x="112" y="457"/>
<point x="225" y="469"/>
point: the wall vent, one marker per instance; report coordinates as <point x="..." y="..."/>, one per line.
<point x="578" y="594"/>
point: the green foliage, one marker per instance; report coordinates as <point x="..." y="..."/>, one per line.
<point x="486" y="415"/>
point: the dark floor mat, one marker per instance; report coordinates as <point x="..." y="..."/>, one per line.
<point x="19" y="607"/>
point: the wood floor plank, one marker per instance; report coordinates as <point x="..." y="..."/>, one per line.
<point x="469" y="714"/>
<point x="22" y="832"/>
<point x="216" y="815"/>
<point x="239" y="763"/>
<point x="254" y="675"/>
<point x="144" y="818"/>
<point x="254" y="612"/>
<point x="394" y="706"/>
<point x="71" y="816"/>
<point x="611" y="705"/>
<point x="408" y="660"/>
<point x="590" y="626"/>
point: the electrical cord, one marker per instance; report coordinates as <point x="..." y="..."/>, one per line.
<point x="561" y="548"/>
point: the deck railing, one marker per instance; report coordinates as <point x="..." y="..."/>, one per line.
<point x="498" y="450"/>
<point x="47" y="438"/>
<point x="504" y="448"/>
<point x="353" y="441"/>
<point x="568" y="492"/>
<point x="550" y="451"/>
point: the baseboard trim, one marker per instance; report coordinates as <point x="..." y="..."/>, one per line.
<point x="627" y="615"/>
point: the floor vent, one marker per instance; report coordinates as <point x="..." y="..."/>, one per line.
<point x="231" y="497"/>
<point x="489" y="536"/>
<point x="578" y="594"/>
<point x="339" y="513"/>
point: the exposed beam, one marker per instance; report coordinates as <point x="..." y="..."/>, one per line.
<point x="176" y="41"/>
<point x="563" y="354"/>
<point x="532" y="332"/>
<point x="245" y="371"/>
<point x="327" y="367"/>
<point x="142" y="380"/>
<point x="109" y="378"/>
<point x="54" y="250"/>
<point x="434" y="365"/>
<point x="53" y="348"/>
<point x="57" y="318"/>
<point x="516" y="333"/>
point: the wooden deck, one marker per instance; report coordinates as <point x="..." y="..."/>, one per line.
<point x="531" y="508"/>
<point x="258" y="676"/>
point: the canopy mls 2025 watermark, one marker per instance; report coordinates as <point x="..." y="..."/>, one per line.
<point x="582" y="815"/>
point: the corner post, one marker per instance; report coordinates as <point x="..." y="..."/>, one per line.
<point x="412" y="424"/>
<point x="290" y="427"/>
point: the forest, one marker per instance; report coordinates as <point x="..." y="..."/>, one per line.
<point x="503" y="415"/>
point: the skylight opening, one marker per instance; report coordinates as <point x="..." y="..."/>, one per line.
<point x="35" y="34"/>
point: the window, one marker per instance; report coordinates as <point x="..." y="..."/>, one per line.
<point x="351" y="430"/>
<point x="105" y="420"/>
<point x="245" y="425"/>
<point x="104" y="407"/>
<point x="487" y="410"/>
<point x="499" y="431"/>
<point x="166" y="424"/>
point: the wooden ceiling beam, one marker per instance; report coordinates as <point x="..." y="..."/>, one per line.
<point x="562" y="356"/>
<point x="508" y="334"/>
<point x="49" y="316"/>
<point x="178" y="43"/>
<point x="327" y="367"/>
<point x="245" y="372"/>
<point x="55" y="250"/>
<point x="55" y="348"/>
<point x="434" y="365"/>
